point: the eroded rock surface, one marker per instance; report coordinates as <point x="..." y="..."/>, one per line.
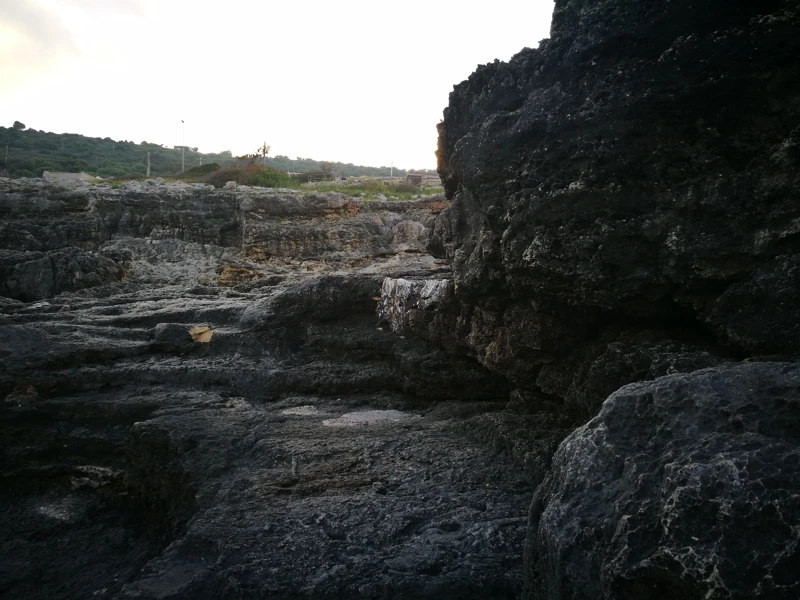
<point x="56" y="238"/>
<point x="624" y="208"/>
<point x="168" y="436"/>
<point x="163" y="466"/>
<point x="684" y="487"/>
<point x="635" y="175"/>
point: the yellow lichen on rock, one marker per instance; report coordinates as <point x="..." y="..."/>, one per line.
<point x="201" y="334"/>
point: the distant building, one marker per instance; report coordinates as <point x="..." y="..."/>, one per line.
<point x="414" y="178"/>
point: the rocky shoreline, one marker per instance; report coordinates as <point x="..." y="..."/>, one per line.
<point x="572" y="376"/>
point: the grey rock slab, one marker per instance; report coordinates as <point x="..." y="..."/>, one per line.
<point x="165" y="466"/>
<point x="368" y="417"/>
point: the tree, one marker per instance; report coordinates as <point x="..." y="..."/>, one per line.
<point x="327" y="169"/>
<point x="263" y="151"/>
<point x="19" y="126"/>
<point x="246" y="160"/>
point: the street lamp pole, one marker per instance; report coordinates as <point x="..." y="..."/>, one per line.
<point x="183" y="146"/>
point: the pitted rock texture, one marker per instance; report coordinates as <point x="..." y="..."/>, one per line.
<point x="58" y="238"/>
<point x="403" y="301"/>
<point x="636" y="174"/>
<point x="165" y="407"/>
<point x="169" y="441"/>
<point x="624" y="207"/>
<point x="681" y="488"/>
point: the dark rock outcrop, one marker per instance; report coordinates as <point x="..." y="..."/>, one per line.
<point x="634" y="174"/>
<point x="172" y="435"/>
<point x="164" y="464"/>
<point x="624" y="207"/>
<point x="681" y="488"/>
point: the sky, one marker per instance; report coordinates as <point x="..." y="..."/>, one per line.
<point x="358" y="81"/>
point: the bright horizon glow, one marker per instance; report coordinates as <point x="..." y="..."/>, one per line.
<point x="353" y="81"/>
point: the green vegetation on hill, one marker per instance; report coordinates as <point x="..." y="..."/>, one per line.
<point x="31" y="152"/>
<point x="308" y="165"/>
<point x="370" y="188"/>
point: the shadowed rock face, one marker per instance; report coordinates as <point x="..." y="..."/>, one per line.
<point x="636" y="173"/>
<point x="167" y="465"/>
<point x="624" y="207"/>
<point x="592" y="25"/>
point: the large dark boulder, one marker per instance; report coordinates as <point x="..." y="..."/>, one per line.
<point x="683" y="488"/>
<point x="637" y="172"/>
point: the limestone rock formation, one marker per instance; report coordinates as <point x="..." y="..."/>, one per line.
<point x="684" y="487"/>
<point x="56" y="238"/>
<point x="635" y="173"/>
<point x="167" y="436"/>
<point x="624" y="209"/>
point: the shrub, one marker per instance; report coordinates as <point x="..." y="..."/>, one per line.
<point x="201" y="170"/>
<point x="375" y="186"/>
<point x="405" y="188"/>
<point x="220" y="177"/>
<point x="111" y="170"/>
<point x="267" y="177"/>
<point x="252" y="175"/>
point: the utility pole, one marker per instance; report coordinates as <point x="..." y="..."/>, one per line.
<point x="5" y="169"/>
<point x="183" y="146"/>
<point x="148" y="164"/>
<point x="391" y="173"/>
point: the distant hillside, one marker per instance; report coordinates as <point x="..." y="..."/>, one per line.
<point x="307" y="165"/>
<point x="30" y="152"/>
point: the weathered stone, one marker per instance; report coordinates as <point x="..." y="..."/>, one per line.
<point x="624" y="176"/>
<point x="684" y="487"/>
<point x="23" y="394"/>
<point x="56" y="239"/>
<point x="623" y="208"/>
<point x="35" y="275"/>
<point x="402" y="300"/>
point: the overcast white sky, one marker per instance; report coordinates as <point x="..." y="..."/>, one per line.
<point x="361" y="81"/>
